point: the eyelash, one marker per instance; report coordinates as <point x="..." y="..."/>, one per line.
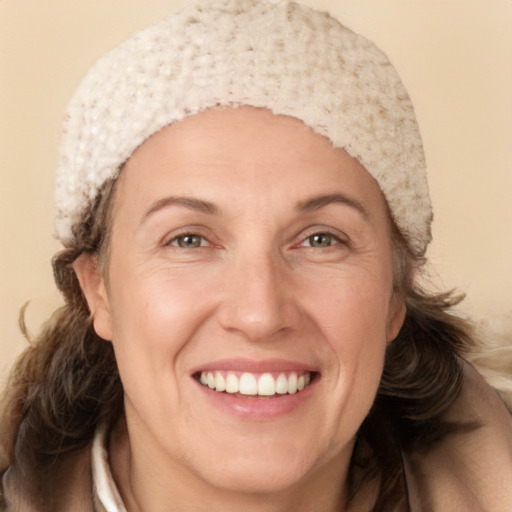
<point x="332" y="240"/>
<point x="182" y="236"/>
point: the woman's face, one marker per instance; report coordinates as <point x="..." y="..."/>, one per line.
<point x="247" y="251"/>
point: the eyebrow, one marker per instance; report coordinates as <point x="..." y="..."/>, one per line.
<point x="318" y="202"/>
<point x="198" y="205"/>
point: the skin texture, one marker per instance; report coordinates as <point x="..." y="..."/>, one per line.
<point x="255" y="288"/>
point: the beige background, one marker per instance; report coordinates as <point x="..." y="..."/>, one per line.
<point x="455" y="57"/>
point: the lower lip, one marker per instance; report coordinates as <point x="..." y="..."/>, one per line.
<point x="257" y="408"/>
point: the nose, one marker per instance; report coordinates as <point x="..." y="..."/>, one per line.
<point x="258" y="301"/>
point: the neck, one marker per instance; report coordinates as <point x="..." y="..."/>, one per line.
<point x="147" y="481"/>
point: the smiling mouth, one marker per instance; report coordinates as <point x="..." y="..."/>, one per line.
<point x="256" y="385"/>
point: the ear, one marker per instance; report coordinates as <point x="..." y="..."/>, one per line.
<point x="397" y="310"/>
<point x="93" y="287"/>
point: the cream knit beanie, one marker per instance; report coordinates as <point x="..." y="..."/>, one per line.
<point x="281" y="56"/>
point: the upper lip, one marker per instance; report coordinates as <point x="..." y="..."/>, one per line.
<point x="254" y="366"/>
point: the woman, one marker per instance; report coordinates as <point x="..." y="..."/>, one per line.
<point x="242" y="199"/>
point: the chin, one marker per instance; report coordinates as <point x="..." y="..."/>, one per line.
<point x="257" y="477"/>
<point x="263" y="469"/>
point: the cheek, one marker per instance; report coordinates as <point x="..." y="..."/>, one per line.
<point x="353" y="307"/>
<point x="156" y="314"/>
<point x="353" y="317"/>
<point x="149" y="318"/>
<point x="148" y="323"/>
<point x="357" y="337"/>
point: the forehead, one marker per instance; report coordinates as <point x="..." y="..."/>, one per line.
<point x="244" y="156"/>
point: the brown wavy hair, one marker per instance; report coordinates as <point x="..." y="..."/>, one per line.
<point x="66" y="382"/>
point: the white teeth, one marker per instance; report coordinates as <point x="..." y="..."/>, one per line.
<point x="248" y="384"/>
<point x="252" y="384"/>
<point x="266" y="385"/>
<point x="292" y="383"/>
<point x="282" y="384"/>
<point x="232" y="383"/>
<point x="220" y="382"/>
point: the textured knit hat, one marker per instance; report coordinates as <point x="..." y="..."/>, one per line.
<point x="287" y="58"/>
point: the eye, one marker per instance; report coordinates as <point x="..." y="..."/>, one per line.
<point x="188" y="241"/>
<point x="321" y="240"/>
